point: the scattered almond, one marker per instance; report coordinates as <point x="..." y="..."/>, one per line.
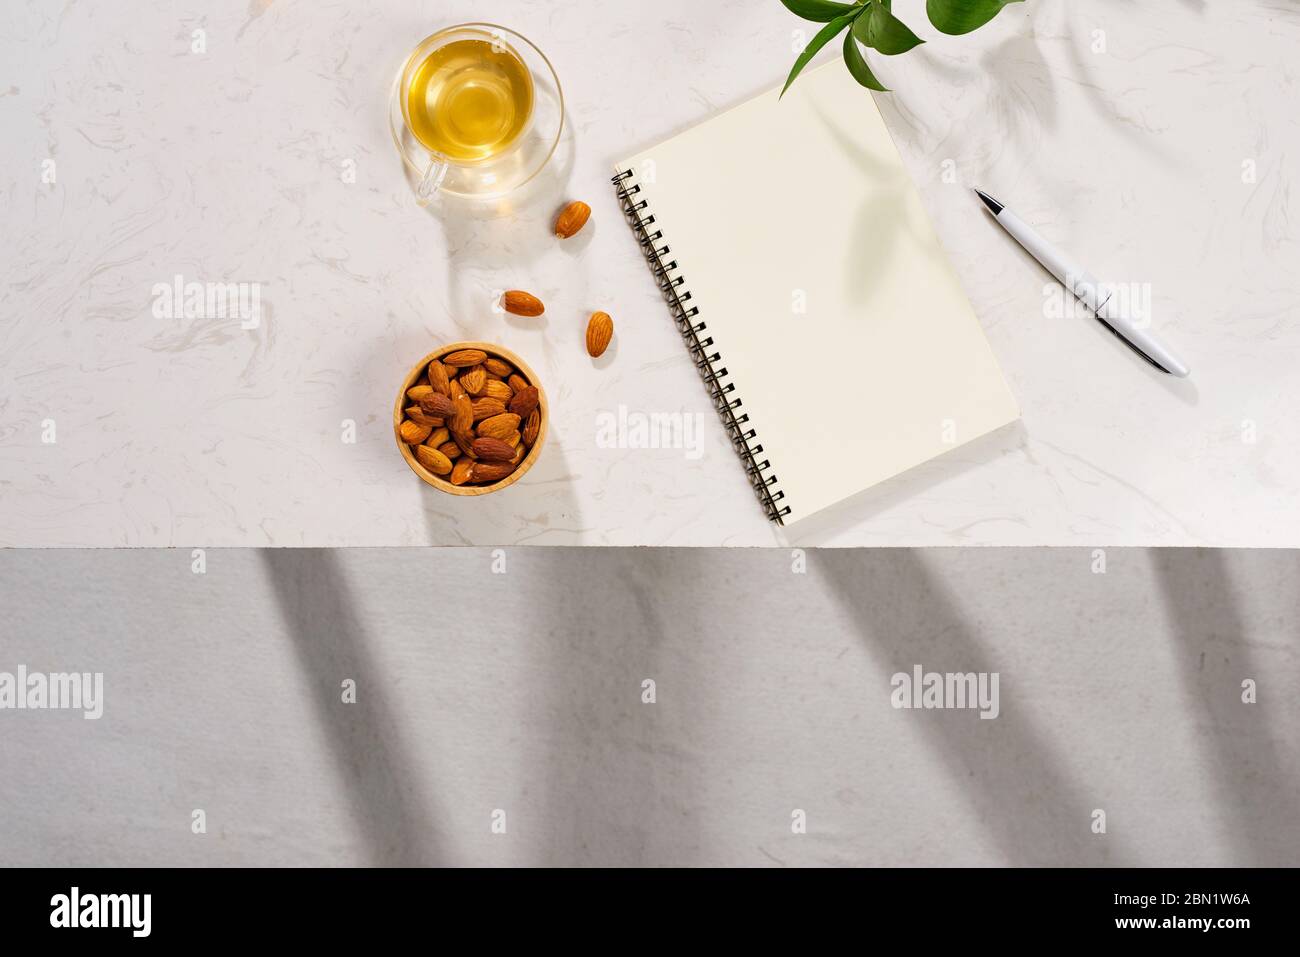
<point x="571" y="219"/>
<point x="600" y="330"/>
<point x="521" y="303"/>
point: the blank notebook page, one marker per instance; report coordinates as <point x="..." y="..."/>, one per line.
<point x="805" y="248"/>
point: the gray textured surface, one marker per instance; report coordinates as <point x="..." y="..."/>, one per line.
<point x="521" y="691"/>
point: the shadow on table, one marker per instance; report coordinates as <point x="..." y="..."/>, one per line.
<point x="613" y="780"/>
<point x="382" y="791"/>
<point x="1216" y="652"/>
<point x="540" y="509"/>
<point x="1018" y="786"/>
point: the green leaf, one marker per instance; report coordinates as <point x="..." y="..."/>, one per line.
<point x="817" y="42"/>
<point x="884" y="32"/>
<point x="819" y="11"/>
<point x="956" y="17"/>
<point x="857" y="65"/>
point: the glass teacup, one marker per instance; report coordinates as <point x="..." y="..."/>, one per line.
<point x="476" y="112"/>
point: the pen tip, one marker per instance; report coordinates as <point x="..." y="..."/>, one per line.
<point x="994" y="206"/>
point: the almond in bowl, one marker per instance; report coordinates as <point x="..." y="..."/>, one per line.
<point x="470" y="418"/>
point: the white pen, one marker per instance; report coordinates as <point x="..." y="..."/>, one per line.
<point x="1098" y="299"/>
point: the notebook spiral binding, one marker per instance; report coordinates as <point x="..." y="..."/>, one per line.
<point x="707" y="361"/>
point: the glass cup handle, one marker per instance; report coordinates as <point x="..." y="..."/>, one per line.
<point x="431" y="182"/>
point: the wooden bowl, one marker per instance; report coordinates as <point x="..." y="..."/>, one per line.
<point x="437" y="481"/>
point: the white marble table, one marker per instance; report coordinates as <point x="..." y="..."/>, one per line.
<point x="1156" y="141"/>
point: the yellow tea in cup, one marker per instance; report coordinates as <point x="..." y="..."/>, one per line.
<point x="469" y="100"/>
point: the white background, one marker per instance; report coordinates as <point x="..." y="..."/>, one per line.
<point x="1119" y="129"/>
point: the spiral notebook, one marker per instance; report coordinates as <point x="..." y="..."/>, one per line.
<point x="813" y="294"/>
